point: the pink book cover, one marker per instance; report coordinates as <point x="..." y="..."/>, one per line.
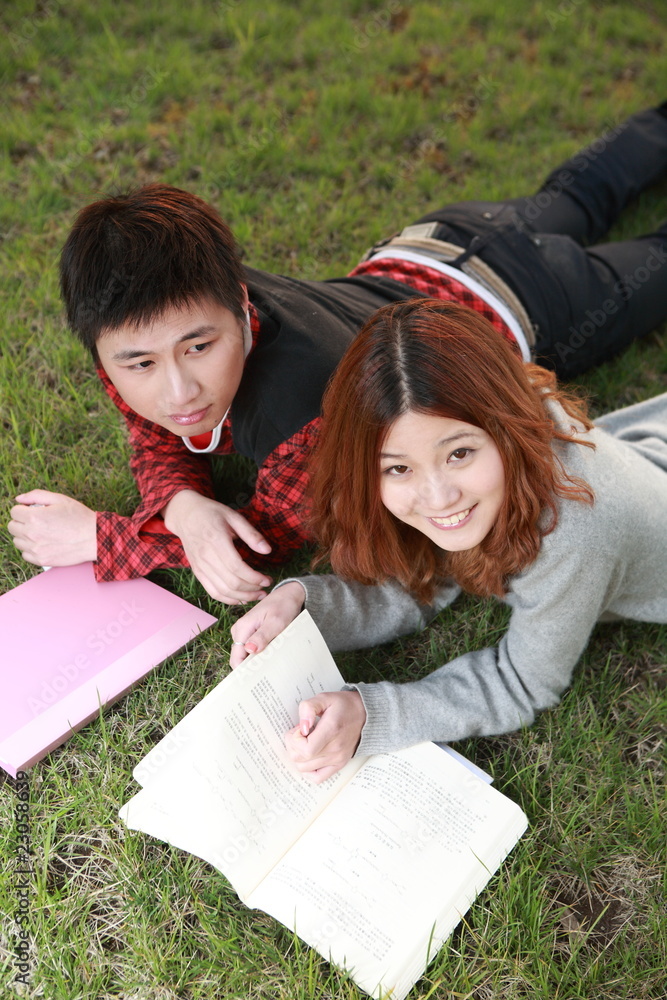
<point x="70" y="644"/>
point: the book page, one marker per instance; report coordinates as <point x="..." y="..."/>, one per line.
<point x="223" y="774"/>
<point x="392" y="863"/>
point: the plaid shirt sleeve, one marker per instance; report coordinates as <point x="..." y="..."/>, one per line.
<point x="133" y="546"/>
<point x="278" y="507"/>
<point x="130" y="547"/>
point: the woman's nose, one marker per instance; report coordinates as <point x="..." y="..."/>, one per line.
<point x="439" y="491"/>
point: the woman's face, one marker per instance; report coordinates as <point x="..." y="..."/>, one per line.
<point x="443" y="477"/>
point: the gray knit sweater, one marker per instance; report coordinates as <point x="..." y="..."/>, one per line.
<point x="602" y="562"/>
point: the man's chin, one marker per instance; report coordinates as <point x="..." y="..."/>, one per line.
<point x="205" y="427"/>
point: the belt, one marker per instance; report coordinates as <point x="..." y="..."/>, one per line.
<point x="419" y="238"/>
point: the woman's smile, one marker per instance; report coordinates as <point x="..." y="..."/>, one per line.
<point x="453" y="520"/>
<point x="437" y="464"/>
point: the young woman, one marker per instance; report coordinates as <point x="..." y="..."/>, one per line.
<point x="444" y="464"/>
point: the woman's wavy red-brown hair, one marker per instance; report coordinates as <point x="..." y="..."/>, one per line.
<point x="435" y="357"/>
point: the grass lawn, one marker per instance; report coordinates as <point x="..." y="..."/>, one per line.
<point x="315" y="128"/>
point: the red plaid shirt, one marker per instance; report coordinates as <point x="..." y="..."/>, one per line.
<point x="162" y="466"/>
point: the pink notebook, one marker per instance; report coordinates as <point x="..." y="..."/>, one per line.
<point x="69" y="644"/>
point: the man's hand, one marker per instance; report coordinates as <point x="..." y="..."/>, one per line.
<point x="255" y="630"/>
<point x="51" y="529"/>
<point x="207" y="530"/>
<point x="319" y="747"/>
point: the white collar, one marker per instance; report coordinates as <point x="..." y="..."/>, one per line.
<point x="217" y="430"/>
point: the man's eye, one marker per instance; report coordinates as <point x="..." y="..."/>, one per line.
<point x="198" y="348"/>
<point x="141" y="366"/>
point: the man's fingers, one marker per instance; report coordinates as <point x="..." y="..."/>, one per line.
<point x="20" y="530"/>
<point x="24" y="547"/>
<point x="233" y="591"/>
<point x="23" y="544"/>
<point x="39" y="496"/>
<point x="247" y="533"/>
<point x="224" y="584"/>
<point x="232" y="597"/>
<point x="20" y="515"/>
<point x="15" y="527"/>
<point x="236" y="575"/>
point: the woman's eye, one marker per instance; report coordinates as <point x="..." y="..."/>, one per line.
<point x="460" y="454"/>
<point x="397" y="470"/>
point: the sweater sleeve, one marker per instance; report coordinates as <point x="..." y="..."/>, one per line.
<point x="555" y="603"/>
<point x="354" y="616"/>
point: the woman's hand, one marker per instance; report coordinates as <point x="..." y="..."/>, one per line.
<point x="327" y="735"/>
<point x="254" y="631"/>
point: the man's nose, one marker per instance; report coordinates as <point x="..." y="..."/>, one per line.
<point x="181" y="387"/>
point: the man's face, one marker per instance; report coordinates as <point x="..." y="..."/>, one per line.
<point x="181" y="371"/>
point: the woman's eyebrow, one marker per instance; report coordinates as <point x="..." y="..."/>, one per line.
<point x="445" y="440"/>
<point x="457" y="437"/>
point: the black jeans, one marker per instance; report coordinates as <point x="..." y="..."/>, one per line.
<point x="587" y="300"/>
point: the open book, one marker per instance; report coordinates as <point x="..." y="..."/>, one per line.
<point x="374" y="868"/>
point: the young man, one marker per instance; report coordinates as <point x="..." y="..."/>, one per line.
<point x="205" y="356"/>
